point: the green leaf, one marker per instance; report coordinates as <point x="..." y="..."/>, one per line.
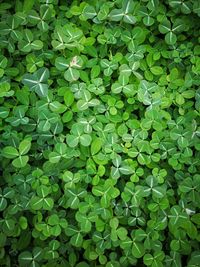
<point x="148" y="259"/>
<point x="3" y="62"/>
<point x="88" y="12"/>
<point x="3" y="203"/>
<point x="116" y="15"/>
<point x="20" y="162"/>
<point x="165" y="27"/>
<point x="76" y="240"/>
<point x="48" y="203"/>
<point x="61" y="63"/>
<point x="170" y="38"/>
<point x="96" y="146"/>
<point x="28" y="5"/>
<point x="71" y="75"/>
<point x="10" y="152"/>
<point x="24" y="147"/>
<point x="38" y="81"/>
<point x="85" y="139"/>
<point x="25" y="258"/>
<point x="156" y="70"/>
<point x="196" y="218"/>
<point x="72" y="140"/>
<point x="57" y="107"/>
<point x="128" y="18"/>
<point x="54" y="157"/>
<point x="122" y="233"/>
<point x="37" y="45"/>
<point x="68" y="98"/>
<point x="99" y="126"/>
<point x="82" y="104"/>
<point x="138" y="250"/>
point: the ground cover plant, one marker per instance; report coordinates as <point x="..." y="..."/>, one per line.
<point x="99" y="133"/>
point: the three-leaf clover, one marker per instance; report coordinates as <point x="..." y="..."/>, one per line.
<point x="67" y="36"/>
<point x="31" y="258"/>
<point x="108" y="66"/>
<point x="106" y="191"/>
<point x="122" y="85"/>
<point x="120" y="168"/>
<point x="87" y="101"/>
<point x="77" y="136"/>
<point x="154" y="260"/>
<point x="170" y="30"/>
<point x="19" y="156"/>
<point x="125" y="13"/>
<point x="5" y="194"/>
<point x="42" y="18"/>
<point x="76" y="236"/>
<point x="41" y="200"/>
<point x="61" y="151"/>
<point x="18" y="116"/>
<point x="37" y="81"/>
<point x="73" y="196"/>
<point x="28" y="43"/>
<point x="131" y="68"/>
<point x="70" y="66"/>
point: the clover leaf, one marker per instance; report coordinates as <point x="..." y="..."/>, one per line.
<point x="28" y="43"/>
<point x="32" y="259"/>
<point x="127" y="70"/>
<point x="99" y="133"/>
<point x="41" y="201"/>
<point x="19" y="155"/>
<point x="67" y="37"/>
<point x="71" y="66"/>
<point x="124" y="13"/>
<point x="78" y="136"/>
<point x="170" y="30"/>
<point x="37" y="81"/>
<point x="40" y="19"/>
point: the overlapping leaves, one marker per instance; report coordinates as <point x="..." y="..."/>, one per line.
<point x="99" y="125"/>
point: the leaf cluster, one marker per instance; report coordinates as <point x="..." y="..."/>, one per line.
<point x="99" y="133"/>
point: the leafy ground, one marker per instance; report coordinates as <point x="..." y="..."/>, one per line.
<point x="99" y="133"/>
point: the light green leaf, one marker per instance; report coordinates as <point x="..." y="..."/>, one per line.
<point x="24" y="147"/>
<point x="116" y="15"/>
<point x="96" y="146"/>
<point x="20" y="162"/>
<point x="72" y="140"/>
<point x="85" y="139"/>
<point x="88" y="12"/>
<point x="10" y="152"/>
<point x="71" y="75"/>
<point x="156" y="70"/>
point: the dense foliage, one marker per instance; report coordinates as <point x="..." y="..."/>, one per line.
<point x="99" y="133"/>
